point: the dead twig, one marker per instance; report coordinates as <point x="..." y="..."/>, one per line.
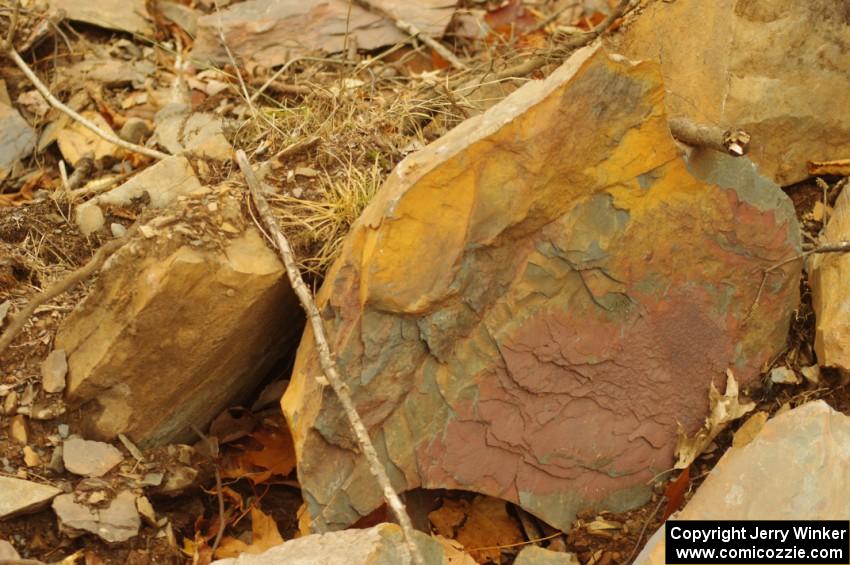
<point x="735" y="142"/>
<point x="326" y="359"/>
<point x="837" y="167"/>
<point x="838" y="247"/>
<point x="59" y="287"/>
<point x="414" y="31"/>
<point x="88" y="124"/>
<point x="13" y="26"/>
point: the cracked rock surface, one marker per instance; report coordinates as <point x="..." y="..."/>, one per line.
<point x="532" y="302"/>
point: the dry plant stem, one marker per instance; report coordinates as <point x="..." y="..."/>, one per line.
<point x="91" y="126"/>
<point x="646" y="524"/>
<point x="62" y="286"/>
<point x="326" y="359"/>
<point x="414" y="31"/>
<point x="733" y="141"/>
<point x="13" y="25"/>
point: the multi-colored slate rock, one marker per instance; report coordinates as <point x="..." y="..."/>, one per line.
<point x="531" y="303"/>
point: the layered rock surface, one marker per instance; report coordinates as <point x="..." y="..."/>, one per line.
<point x="530" y="304"/>
<point x="183" y="321"/>
<point x="757" y="66"/>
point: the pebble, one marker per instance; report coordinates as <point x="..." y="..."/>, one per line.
<point x="89" y="458"/>
<point x="18" y="429"/>
<point x="53" y="371"/>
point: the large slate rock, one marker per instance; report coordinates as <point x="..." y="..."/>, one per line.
<point x="828" y="276"/>
<point x="796" y="468"/>
<point x="755" y="64"/>
<point x="531" y="303"/>
<point x="175" y="330"/>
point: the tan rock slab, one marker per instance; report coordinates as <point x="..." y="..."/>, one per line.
<point x="175" y="332"/>
<point x="53" y="371"/>
<point x="796" y="468"/>
<point x="122" y="15"/>
<point x="115" y="523"/>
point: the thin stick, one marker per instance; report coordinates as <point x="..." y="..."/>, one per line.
<point x="62" y="286"/>
<point x="414" y="31"/>
<point x="734" y="141"/>
<point x="88" y="124"/>
<point x="13" y="26"/>
<point x="326" y="359"/>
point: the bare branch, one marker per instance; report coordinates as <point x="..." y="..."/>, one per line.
<point x="735" y="142"/>
<point x="326" y="360"/>
<point x="91" y="126"/>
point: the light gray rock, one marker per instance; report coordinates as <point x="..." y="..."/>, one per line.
<point x="116" y="523"/>
<point x="134" y="130"/>
<point x="796" y="468"/>
<point x="180" y="130"/>
<point x="379" y="545"/>
<point x="163" y="182"/>
<point x="53" y="371"/>
<point x="533" y="555"/>
<point x="89" y="458"/>
<point x="18" y="496"/>
<point x="17" y="138"/>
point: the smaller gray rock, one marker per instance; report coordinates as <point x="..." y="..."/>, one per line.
<point x="135" y="130"/>
<point x="116" y="523"/>
<point x="89" y="458"/>
<point x="117" y="229"/>
<point x="18" y="496"/>
<point x="53" y="371"/>
<point x="17" y="138"/>
<point x="533" y="555"/>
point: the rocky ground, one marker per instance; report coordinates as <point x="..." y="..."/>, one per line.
<point x="530" y="314"/>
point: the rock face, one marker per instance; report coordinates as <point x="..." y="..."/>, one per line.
<point x="828" y="276"/>
<point x="530" y="304"/>
<point x="379" y="545"/>
<point x="751" y="65"/>
<point x="796" y="468"/>
<point x="176" y="330"/>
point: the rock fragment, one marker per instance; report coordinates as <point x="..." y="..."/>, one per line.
<point x="534" y="555"/>
<point x="18" y="496"/>
<point x="53" y="371"/>
<point x="180" y="130"/>
<point x="18" y="429"/>
<point x="122" y="15"/>
<point x="515" y="312"/>
<point x="89" y="458"/>
<point x="17" y="138"/>
<point x="828" y="276"/>
<point x="796" y="468"/>
<point x="210" y="357"/>
<point x="117" y="522"/>
<point x="379" y="544"/>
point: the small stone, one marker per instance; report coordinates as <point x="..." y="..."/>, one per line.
<point x="784" y="375"/>
<point x="117" y="229"/>
<point x="308" y="172"/>
<point x="811" y="374"/>
<point x="135" y="130"/>
<point x="152" y="479"/>
<point x="63" y="430"/>
<point x="97" y="497"/>
<point x="534" y="555"/>
<point x="145" y="509"/>
<point x="31" y="458"/>
<point x="22" y="497"/>
<point x="10" y="403"/>
<point x="89" y="219"/>
<point x="89" y="458"/>
<point x="8" y="551"/>
<point x="53" y="371"/>
<point x="116" y="523"/>
<point x="18" y="429"/>
<point x="56" y="464"/>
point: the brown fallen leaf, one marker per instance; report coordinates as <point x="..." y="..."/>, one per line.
<point x="725" y="408"/>
<point x="264" y="535"/>
<point x="482" y="526"/>
<point x="675" y="493"/>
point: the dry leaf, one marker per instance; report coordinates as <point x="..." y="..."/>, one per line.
<point x="749" y="429"/>
<point x="448" y="518"/>
<point x="675" y="493"/>
<point x="265" y="535"/>
<point x="276" y="457"/>
<point x="724" y="409"/>
<point x="453" y="550"/>
<point x="488" y="526"/>
<point x="76" y="140"/>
